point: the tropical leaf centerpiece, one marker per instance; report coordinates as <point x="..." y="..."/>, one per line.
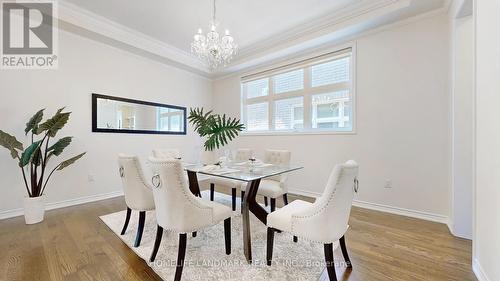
<point x="218" y="130"/>
<point x="34" y="159"/>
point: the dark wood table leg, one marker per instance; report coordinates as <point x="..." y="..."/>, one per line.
<point x="193" y="183"/>
<point x="194" y="187"/>
<point x="251" y="205"/>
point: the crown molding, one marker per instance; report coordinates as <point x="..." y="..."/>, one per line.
<point x="345" y="23"/>
<point x="86" y="21"/>
<point x="339" y="43"/>
<point x="356" y="21"/>
<point x="88" y="24"/>
<point x="318" y="26"/>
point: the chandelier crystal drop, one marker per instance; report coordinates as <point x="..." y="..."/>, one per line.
<point x="215" y="50"/>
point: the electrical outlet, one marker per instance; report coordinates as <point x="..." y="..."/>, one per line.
<point x="91" y="178"/>
<point x="388" y="184"/>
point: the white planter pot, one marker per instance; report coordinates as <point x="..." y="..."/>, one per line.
<point x="34" y="209"/>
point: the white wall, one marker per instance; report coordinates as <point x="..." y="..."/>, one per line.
<point x="487" y="198"/>
<point x="403" y="122"/>
<point x="86" y="66"/>
<point x="463" y="127"/>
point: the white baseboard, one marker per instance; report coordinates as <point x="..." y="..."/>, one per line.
<point x="357" y="203"/>
<point x="478" y="271"/>
<point x="386" y="208"/>
<point x="304" y="193"/>
<point x="11" y="213"/>
<point x="402" y="211"/>
<point x="451" y="227"/>
<point x="65" y="203"/>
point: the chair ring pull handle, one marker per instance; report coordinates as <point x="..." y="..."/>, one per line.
<point x="356" y="185"/>
<point x="122" y="172"/>
<point x="155" y="180"/>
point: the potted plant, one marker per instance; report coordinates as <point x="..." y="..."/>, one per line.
<point x="33" y="160"/>
<point x="219" y="130"/>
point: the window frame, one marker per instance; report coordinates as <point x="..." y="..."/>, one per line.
<point x="307" y="93"/>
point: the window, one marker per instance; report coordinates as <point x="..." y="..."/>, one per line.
<point x="332" y="110"/>
<point x="289" y="114"/>
<point x="331" y="72"/>
<point x="257" y="88"/>
<point x="290" y="81"/>
<point x="257" y="116"/>
<point x="313" y="95"/>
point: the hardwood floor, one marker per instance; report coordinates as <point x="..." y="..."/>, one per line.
<point x="390" y="247"/>
<point x="73" y="244"/>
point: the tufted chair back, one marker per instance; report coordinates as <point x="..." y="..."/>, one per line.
<point x="327" y="219"/>
<point x="243" y="154"/>
<point x="278" y="157"/>
<point x="177" y="208"/>
<point x="166" y="153"/>
<point x="138" y="195"/>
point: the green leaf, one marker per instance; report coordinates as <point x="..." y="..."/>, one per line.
<point x="54" y="124"/>
<point x="32" y="124"/>
<point x="11" y="143"/>
<point x="37" y="157"/>
<point x="200" y="120"/>
<point x="58" y="147"/>
<point x="70" y="161"/>
<point x="219" y="130"/>
<point x="28" y="153"/>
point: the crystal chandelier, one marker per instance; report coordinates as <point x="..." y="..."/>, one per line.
<point x="213" y="49"/>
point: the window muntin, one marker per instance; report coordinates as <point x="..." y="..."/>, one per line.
<point x="315" y="95"/>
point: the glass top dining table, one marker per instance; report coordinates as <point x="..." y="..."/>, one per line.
<point x="249" y="172"/>
<point x="243" y="171"/>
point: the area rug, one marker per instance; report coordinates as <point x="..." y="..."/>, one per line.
<point x="205" y="254"/>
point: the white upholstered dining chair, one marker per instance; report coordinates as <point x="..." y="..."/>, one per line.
<point x="173" y="153"/>
<point x="138" y="195"/>
<point x="178" y="210"/>
<point x="324" y="221"/>
<point x="275" y="186"/>
<point x="242" y="154"/>
<point x="166" y="153"/>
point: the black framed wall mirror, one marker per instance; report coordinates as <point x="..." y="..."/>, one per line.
<point x="121" y="115"/>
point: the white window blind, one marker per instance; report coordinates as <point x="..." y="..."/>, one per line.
<point x="257" y="117"/>
<point x="289" y="114"/>
<point x="289" y="81"/>
<point x="257" y="88"/>
<point x="312" y="95"/>
<point x="330" y="73"/>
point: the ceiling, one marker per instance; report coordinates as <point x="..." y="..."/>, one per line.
<point x="176" y="21"/>
<point x="260" y="27"/>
